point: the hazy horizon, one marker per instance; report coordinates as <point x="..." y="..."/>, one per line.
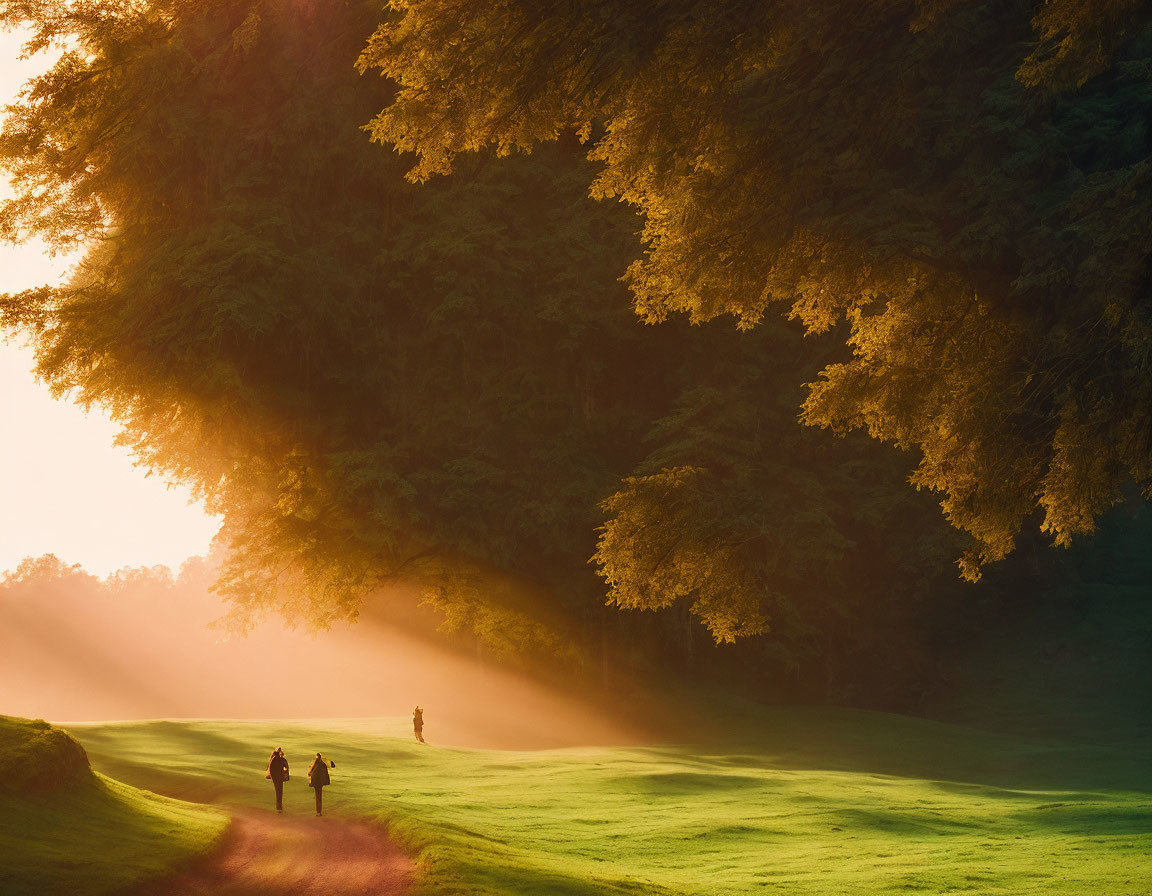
<point x="68" y="490"/>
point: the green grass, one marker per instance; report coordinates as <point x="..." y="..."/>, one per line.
<point x="795" y="801"/>
<point x="67" y="830"/>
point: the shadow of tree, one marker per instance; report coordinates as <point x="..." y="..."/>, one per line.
<point x="813" y="739"/>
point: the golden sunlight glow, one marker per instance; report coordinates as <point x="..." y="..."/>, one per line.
<point x="64" y="488"/>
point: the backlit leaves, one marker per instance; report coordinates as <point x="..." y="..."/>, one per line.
<point x="962" y="183"/>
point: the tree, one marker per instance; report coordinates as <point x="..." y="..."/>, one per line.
<point x="374" y="381"/>
<point x="48" y="569"/>
<point x="965" y="184"/>
<point x="366" y="380"/>
<point x="759" y="525"/>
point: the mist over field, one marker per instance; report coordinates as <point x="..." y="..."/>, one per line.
<point x="143" y="646"/>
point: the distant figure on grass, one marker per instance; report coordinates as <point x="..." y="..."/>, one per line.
<point x="318" y="779"/>
<point x="418" y="723"/>
<point x="278" y="772"/>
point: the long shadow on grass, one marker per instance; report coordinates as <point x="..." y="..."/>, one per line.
<point x="520" y="879"/>
<point x="197" y="759"/>
<point x="180" y="735"/>
<point x="810" y="739"/>
<point x="1070" y="819"/>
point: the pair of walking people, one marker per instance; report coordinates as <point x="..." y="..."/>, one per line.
<point x="318" y="777"/>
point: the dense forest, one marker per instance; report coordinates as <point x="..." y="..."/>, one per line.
<point x="374" y="379"/>
<point x="963" y="186"/>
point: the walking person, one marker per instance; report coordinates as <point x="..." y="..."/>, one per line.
<point x="278" y="772"/>
<point x="418" y="723"/>
<point x="318" y="779"/>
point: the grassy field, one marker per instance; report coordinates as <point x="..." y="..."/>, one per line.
<point x="796" y="802"/>
<point x="67" y="830"/>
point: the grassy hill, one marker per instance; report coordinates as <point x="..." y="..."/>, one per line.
<point x="805" y="802"/>
<point x="66" y="829"/>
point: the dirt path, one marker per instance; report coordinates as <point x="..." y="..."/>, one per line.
<point x="265" y="854"/>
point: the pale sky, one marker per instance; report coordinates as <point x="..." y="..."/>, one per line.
<point x="65" y="489"/>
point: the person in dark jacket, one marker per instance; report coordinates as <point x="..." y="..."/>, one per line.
<point x="278" y="772"/>
<point x="318" y="779"/>
<point x="418" y="723"/>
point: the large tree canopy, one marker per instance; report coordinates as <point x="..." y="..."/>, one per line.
<point x="372" y="380"/>
<point x="965" y="184"/>
<point x="367" y="380"/>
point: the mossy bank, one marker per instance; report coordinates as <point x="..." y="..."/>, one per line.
<point x="68" y="829"/>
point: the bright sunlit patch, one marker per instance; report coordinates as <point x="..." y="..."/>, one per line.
<point x="64" y="488"/>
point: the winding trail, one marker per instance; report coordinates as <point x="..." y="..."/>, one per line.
<point x="265" y="854"/>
